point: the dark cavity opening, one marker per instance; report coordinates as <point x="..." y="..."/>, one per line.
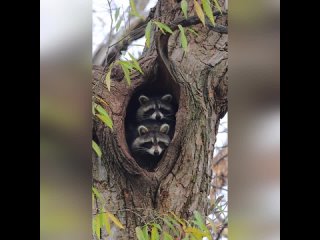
<point x="150" y="146"/>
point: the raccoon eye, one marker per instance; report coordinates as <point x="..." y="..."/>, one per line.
<point x="147" y="145"/>
<point x="165" y="111"/>
<point x="149" y="112"/>
<point x="162" y="145"/>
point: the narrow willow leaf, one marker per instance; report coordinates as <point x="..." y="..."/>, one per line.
<point x="154" y="234"/>
<point x="106" y="119"/>
<point x="92" y="200"/>
<point x="181" y="221"/>
<point x="207" y="9"/>
<point x="192" y="31"/>
<point x="115" y="220"/>
<point x="135" y="63"/>
<point x="101" y="100"/>
<point x="97" y="194"/>
<point x="217" y="5"/>
<point x="93" y="107"/>
<point x="134" y="11"/>
<point x="199" y="12"/>
<point x="157" y="226"/>
<point x="93" y="225"/>
<point x="183" y="38"/>
<point x="127" y="63"/>
<point x="145" y="232"/>
<point x="184" y="7"/>
<point x="148" y="34"/>
<point x="118" y="24"/>
<point x="163" y="27"/>
<point x="101" y="110"/>
<point x="96" y="148"/>
<point x="102" y="219"/>
<point x="126" y="72"/>
<point x="196" y="232"/>
<point x="117" y="14"/>
<point x="107" y="223"/>
<point x="108" y="78"/>
<point x="139" y="234"/>
<point x="168" y="223"/>
<point x="199" y="221"/>
<point x="97" y="226"/>
<point x="167" y="236"/>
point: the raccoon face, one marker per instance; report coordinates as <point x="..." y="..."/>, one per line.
<point x="152" y="140"/>
<point x="155" y="108"/>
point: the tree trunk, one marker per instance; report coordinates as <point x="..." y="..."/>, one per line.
<point x="198" y="80"/>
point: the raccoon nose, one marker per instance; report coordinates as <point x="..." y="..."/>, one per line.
<point x="156" y="153"/>
<point x="158" y="117"/>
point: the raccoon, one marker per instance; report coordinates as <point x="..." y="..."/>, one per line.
<point x="155" y="108"/>
<point x="150" y="143"/>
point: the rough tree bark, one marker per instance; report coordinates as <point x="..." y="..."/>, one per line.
<point x="198" y="79"/>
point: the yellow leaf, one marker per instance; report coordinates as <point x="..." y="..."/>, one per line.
<point x="107" y="223"/>
<point x="115" y="220"/>
<point x="196" y="232"/>
<point x="199" y="12"/>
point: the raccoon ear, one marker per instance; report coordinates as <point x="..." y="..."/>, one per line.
<point x="167" y="98"/>
<point x="164" y="128"/>
<point x="142" y="130"/>
<point x="143" y="99"/>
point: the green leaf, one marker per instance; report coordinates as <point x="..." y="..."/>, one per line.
<point x="101" y="110"/>
<point x="97" y="194"/>
<point x="96" y="148"/>
<point x="134" y="11"/>
<point x="118" y="24"/>
<point x="168" y="223"/>
<point x="183" y="38"/>
<point x="148" y="34"/>
<point x="157" y="226"/>
<point x="103" y="115"/>
<point x="199" y="12"/>
<point x="167" y="236"/>
<point x="135" y="63"/>
<point x="217" y="5"/>
<point x="115" y="220"/>
<point x="154" y="234"/>
<point x="139" y="234"/>
<point x="193" y="31"/>
<point x="181" y="221"/>
<point x="117" y="14"/>
<point x="207" y="9"/>
<point x="200" y="223"/>
<point x="108" y="78"/>
<point x="107" y="223"/>
<point x="184" y="7"/>
<point x="125" y="69"/>
<point x="106" y="119"/>
<point x="92" y="200"/>
<point x="97" y="226"/>
<point x="195" y="232"/>
<point x="163" y="27"/>
<point x="94" y="225"/>
<point x="145" y="232"/>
